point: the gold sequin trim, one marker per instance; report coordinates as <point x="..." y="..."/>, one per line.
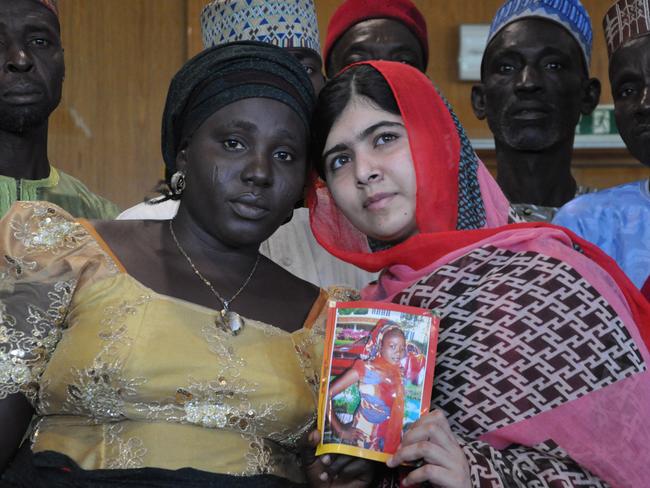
<point x="101" y="391"/>
<point x="24" y="354"/>
<point x="304" y="346"/>
<point x="124" y="453"/>
<point x="47" y="231"/>
<point x="342" y="294"/>
<point x="16" y="266"/>
<point x="259" y="458"/>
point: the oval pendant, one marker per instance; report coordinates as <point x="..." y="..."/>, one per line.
<point x="233" y="322"/>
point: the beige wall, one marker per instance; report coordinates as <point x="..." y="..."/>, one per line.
<point x="121" y="55"/>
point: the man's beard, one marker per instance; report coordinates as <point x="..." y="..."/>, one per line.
<point x="527" y="137"/>
<point x="21" y="119"/>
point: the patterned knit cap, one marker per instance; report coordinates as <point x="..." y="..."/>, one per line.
<point x="570" y="14"/>
<point x="286" y="23"/>
<point x="51" y="4"/>
<point x="624" y="21"/>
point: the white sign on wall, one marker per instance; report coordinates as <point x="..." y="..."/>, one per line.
<point x="473" y="40"/>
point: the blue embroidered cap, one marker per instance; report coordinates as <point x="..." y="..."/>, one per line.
<point x="570" y="14"/>
<point x="286" y="23"/>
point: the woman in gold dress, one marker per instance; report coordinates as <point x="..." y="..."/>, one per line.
<point x="170" y="353"/>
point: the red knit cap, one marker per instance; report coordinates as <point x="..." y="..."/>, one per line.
<point x="52" y="5"/>
<point x="352" y="12"/>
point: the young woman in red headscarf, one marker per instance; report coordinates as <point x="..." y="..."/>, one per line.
<point x="541" y="374"/>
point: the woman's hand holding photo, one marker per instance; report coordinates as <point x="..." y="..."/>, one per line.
<point x="431" y="443"/>
<point x="334" y="471"/>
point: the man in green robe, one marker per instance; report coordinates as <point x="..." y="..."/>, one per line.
<point x="31" y="78"/>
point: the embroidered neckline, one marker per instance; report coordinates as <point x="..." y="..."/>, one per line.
<point x="257" y="324"/>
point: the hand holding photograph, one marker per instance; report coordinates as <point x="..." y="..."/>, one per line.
<point x="377" y="376"/>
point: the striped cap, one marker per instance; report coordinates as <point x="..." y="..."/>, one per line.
<point x="287" y="23"/>
<point x="624" y="21"/>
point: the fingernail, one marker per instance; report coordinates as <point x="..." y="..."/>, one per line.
<point x="326" y="459"/>
<point x="389" y="463"/>
<point x="323" y="476"/>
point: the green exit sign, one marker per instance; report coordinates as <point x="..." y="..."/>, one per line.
<point x="600" y="122"/>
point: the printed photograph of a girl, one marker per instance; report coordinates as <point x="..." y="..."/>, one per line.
<point x="376" y="378"/>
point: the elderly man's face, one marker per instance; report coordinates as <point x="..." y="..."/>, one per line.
<point x="385" y="39"/>
<point x="32" y="64"/>
<point x="534" y="86"/>
<point x="629" y="73"/>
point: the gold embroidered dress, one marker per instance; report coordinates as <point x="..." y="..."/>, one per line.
<point x="123" y="377"/>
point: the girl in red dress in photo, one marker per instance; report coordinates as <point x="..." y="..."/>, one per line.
<point x="377" y="421"/>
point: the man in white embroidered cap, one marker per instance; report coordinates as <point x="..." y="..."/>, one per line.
<point x="290" y="24"/>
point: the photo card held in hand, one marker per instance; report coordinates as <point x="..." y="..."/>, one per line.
<point x="377" y="376"/>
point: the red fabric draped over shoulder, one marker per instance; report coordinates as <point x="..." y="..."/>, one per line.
<point x="436" y="151"/>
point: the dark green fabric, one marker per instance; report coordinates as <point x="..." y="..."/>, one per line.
<point x="61" y="189"/>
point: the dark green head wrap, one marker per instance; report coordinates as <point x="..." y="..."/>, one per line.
<point x="225" y="74"/>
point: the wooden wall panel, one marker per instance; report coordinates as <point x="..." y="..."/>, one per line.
<point x="194" y="42"/>
<point x="120" y="56"/>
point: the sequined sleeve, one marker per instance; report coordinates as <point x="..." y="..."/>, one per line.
<point x="45" y="255"/>
<point x="334" y="294"/>
<point x="309" y="344"/>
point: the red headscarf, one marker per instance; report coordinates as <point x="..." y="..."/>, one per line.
<point x="438" y="148"/>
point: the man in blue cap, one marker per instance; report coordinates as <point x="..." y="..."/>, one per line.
<point x="534" y="86"/>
